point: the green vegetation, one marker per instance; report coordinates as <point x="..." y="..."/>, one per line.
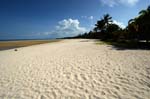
<point x="136" y="34"/>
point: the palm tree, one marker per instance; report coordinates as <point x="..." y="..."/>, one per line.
<point x="144" y="23"/>
<point x="104" y="22"/>
<point x="139" y="27"/>
<point x="100" y="25"/>
<point x="134" y="22"/>
<point x="132" y="29"/>
<point x="145" y="12"/>
<point x="107" y="19"/>
<point x="95" y="29"/>
<point x="131" y="21"/>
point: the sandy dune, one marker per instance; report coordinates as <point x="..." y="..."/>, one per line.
<point x="74" y="69"/>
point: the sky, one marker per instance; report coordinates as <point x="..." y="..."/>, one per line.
<point x="42" y="19"/>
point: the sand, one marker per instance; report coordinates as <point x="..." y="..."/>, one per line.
<point x="74" y="69"/>
<point x="4" y="45"/>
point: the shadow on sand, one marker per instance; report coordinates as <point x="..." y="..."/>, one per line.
<point x="129" y="45"/>
<point x="132" y="46"/>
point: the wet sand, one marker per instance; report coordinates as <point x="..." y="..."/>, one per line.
<point x="5" y="45"/>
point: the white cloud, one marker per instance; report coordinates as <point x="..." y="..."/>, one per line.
<point x="65" y="28"/>
<point x="91" y="17"/>
<point x="119" y="24"/>
<point x="84" y="17"/>
<point x="88" y="17"/>
<point x="112" y="3"/>
<point x="130" y="2"/>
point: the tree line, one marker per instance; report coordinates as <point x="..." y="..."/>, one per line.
<point x="137" y="30"/>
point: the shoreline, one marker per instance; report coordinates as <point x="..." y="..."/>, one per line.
<point x="6" y="45"/>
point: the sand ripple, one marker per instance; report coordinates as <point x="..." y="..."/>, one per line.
<point x="74" y="69"/>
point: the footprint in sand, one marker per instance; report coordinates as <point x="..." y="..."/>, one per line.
<point x="83" y="77"/>
<point x="43" y="97"/>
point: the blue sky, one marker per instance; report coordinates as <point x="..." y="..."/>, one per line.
<point x="32" y="19"/>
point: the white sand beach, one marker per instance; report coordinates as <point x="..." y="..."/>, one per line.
<point x="74" y="69"/>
